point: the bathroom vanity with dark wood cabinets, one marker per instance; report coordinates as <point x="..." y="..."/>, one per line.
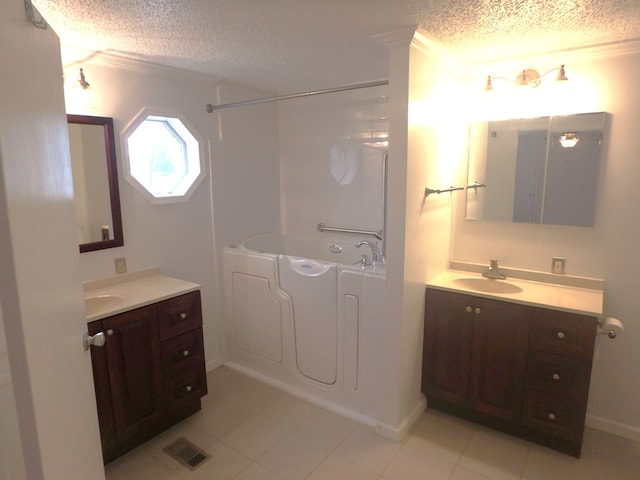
<point x="150" y="374"/>
<point x="521" y="369"/>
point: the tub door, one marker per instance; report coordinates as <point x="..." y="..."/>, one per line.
<point x="312" y="288"/>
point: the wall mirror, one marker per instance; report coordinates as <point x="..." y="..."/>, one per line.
<point x="95" y="182"/>
<point x="536" y="170"/>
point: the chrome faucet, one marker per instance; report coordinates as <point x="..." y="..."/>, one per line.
<point x="494" y="271"/>
<point x="377" y="256"/>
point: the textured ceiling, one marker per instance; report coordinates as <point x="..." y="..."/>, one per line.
<point x="287" y="45"/>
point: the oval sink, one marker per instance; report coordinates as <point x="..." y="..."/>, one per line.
<point x="100" y="303"/>
<point x="487" y="285"/>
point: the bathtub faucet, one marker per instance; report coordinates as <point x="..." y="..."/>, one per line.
<point x="377" y="256"/>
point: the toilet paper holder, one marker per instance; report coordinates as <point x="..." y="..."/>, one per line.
<point x="610" y="327"/>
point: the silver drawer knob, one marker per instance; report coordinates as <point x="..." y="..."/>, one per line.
<point x="185" y="353"/>
<point x="551" y="416"/>
<point x="188" y="388"/>
<point x="109" y="332"/>
<point x="183" y="316"/>
<point x="477" y="310"/>
<point x="556" y="376"/>
<point x="561" y="334"/>
<point x="468" y="309"/>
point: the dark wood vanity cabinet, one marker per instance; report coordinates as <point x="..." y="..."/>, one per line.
<point x="523" y="370"/>
<point x="150" y="373"/>
<point x="465" y="339"/>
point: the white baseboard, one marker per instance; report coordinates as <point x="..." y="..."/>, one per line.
<point x="615" y="428"/>
<point x="214" y="363"/>
<point x="397" y="434"/>
<point x="394" y="433"/>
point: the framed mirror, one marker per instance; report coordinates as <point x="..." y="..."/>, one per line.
<point x="95" y="182"/>
<point x="536" y="170"/>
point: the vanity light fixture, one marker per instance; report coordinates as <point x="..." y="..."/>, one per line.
<point x="528" y="76"/>
<point x="569" y="139"/>
<point x="82" y="81"/>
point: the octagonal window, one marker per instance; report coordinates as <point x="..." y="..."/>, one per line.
<point x="163" y="158"/>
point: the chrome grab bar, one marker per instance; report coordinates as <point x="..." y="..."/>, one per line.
<point x="323" y="228"/>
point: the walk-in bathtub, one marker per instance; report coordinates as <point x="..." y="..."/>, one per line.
<point x="305" y="315"/>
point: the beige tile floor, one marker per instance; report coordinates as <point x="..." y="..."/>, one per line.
<point x="255" y="432"/>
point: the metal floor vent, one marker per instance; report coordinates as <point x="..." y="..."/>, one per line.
<point x="186" y="453"/>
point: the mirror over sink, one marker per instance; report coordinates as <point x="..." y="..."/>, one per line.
<point x="95" y="182"/>
<point x="536" y="170"/>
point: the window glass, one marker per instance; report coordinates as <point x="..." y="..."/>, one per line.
<point x="163" y="156"/>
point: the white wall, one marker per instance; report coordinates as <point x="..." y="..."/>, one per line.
<point x="178" y="237"/>
<point x="600" y="80"/>
<point x="419" y="227"/>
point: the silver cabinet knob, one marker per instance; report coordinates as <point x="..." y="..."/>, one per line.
<point x="109" y="332"/>
<point x="185" y="353"/>
<point x="188" y="388"/>
<point x="551" y="416"/>
<point x="468" y="309"/>
<point x="561" y="334"/>
<point x="477" y="310"/>
<point x="556" y="376"/>
<point x="96" y="340"/>
<point x="183" y="316"/>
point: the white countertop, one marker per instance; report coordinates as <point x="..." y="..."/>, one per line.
<point x="538" y="294"/>
<point x="132" y="290"/>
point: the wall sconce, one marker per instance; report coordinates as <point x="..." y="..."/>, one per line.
<point x="529" y="77"/>
<point x="569" y="139"/>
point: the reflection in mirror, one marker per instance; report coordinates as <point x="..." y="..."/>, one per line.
<point x="95" y="182"/>
<point x="536" y="170"/>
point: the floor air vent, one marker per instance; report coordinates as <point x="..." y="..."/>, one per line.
<point x="186" y="453"/>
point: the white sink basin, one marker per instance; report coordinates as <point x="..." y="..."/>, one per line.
<point x="100" y="303"/>
<point x="487" y="285"/>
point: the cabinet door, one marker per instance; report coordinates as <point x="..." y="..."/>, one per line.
<point x="500" y="340"/>
<point x="446" y="360"/>
<point x="135" y="373"/>
<point x="103" y="391"/>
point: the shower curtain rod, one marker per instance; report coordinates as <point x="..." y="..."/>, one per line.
<point x="211" y="108"/>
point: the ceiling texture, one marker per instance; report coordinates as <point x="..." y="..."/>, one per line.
<point x="293" y="45"/>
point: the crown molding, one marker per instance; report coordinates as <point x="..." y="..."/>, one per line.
<point x="74" y="57"/>
<point x="576" y="54"/>
<point x="395" y="38"/>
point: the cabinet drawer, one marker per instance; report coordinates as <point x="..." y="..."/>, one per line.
<point x="179" y="315"/>
<point x="185" y="386"/>
<point x="179" y="351"/>
<point x="554" y="415"/>
<point x="563" y="333"/>
<point x="557" y="375"/>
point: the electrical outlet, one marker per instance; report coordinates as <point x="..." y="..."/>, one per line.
<point x="121" y="265"/>
<point x="557" y="265"/>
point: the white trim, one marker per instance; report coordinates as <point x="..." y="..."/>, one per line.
<point x="613" y="427"/>
<point x="395" y="37"/>
<point x="314" y="400"/>
<point x="398" y="434"/>
<point x="214" y="363"/>
<point x="126" y="166"/>
<point x="73" y="57"/>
